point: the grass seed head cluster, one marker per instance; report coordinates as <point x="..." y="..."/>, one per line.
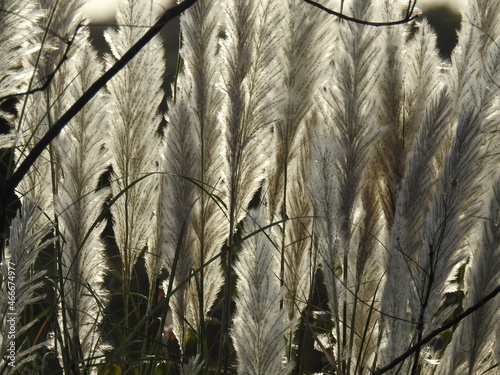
<point x="317" y="195"/>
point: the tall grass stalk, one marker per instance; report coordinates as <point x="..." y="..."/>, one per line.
<point x="249" y="82"/>
<point x="344" y="144"/>
<point x="134" y="143"/>
<point x="304" y="59"/>
<point x="199" y="228"/>
<point x="78" y="205"/>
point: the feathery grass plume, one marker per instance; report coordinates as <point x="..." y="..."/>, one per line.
<point x="485" y="15"/>
<point x="473" y="343"/>
<point x="475" y="58"/>
<point x="491" y="103"/>
<point x="193" y="222"/>
<point x="471" y="348"/>
<point x="73" y="178"/>
<point x="347" y="108"/>
<point x="425" y="121"/>
<point x="251" y="92"/>
<point x="421" y="79"/>
<point x="380" y="192"/>
<point x="250" y="84"/>
<point x="449" y="223"/>
<point x="36" y="111"/>
<point x="322" y="185"/>
<point x="447" y="231"/>
<point x="305" y="58"/>
<point x="134" y="143"/>
<point x="388" y="166"/>
<point x="466" y="60"/>
<point x="260" y="325"/>
<point x="300" y="261"/>
<point x="17" y="21"/>
<point x="178" y="203"/>
<point x="27" y="239"/>
<point x="306" y="52"/>
<point x="82" y="159"/>
<point x="323" y="188"/>
<point x="486" y="95"/>
<point x="414" y="200"/>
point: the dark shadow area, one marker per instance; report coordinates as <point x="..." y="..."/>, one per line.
<point x="446" y="22"/>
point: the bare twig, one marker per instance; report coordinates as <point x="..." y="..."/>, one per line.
<point x="408" y="18"/>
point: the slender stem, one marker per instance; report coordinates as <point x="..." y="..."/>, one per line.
<point x="227" y="289"/>
<point x="202" y="340"/>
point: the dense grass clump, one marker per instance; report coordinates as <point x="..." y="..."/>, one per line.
<point x="320" y="195"/>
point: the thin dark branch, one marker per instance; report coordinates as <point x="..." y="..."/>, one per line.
<point x="409" y="17"/>
<point x="411" y="8"/>
<point x="437" y="331"/>
<point x="56" y="128"/>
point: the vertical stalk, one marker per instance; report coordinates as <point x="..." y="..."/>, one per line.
<point x="226" y="310"/>
<point x="202" y="339"/>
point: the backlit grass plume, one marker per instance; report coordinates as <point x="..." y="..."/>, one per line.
<point x="38" y="111"/>
<point x="193" y="150"/>
<point x="250" y="79"/>
<point x="27" y="240"/>
<point x="473" y="343"/>
<point x="342" y="145"/>
<point x="260" y="325"/>
<point x="251" y="89"/>
<point x="18" y="20"/>
<point x="306" y="55"/>
<point x="134" y="142"/>
<point x="83" y="159"/>
<point x="406" y="241"/>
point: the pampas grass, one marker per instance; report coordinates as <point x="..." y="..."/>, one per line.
<point x="306" y="54"/>
<point x="18" y="19"/>
<point x="250" y="84"/>
<point x="134" y="142"/>
<point x="26" y="241"/>
<point x="471" y="347"/>
<point x="318" y="195"/>
<point x="416" y="190"/>
<point x="37" y="111"/>
<point x="260" y="325"/>
<point x="83" y="158"/>
<point x="345" y="144"/>
<point x="193" y="150"/>
<point x="250" y="79"/>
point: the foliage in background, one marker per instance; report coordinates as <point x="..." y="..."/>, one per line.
<point x="316" y="189"/>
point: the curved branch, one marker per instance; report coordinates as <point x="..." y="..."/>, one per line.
<point x="409" y="17"/>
